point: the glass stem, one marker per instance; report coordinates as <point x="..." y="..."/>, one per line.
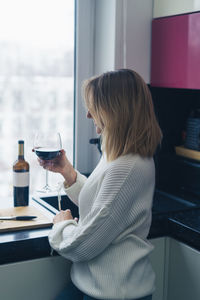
<point x="47" y="187"/>
<point x="47" y="178"/>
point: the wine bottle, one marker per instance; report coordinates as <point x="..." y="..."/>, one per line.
<point x="21" y="178"/>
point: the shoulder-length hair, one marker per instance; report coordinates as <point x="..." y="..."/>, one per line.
<point x="121" y="102"/>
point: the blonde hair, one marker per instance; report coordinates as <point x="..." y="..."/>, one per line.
<point x="121" y="102"/>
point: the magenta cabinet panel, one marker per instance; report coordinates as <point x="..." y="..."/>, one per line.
<point x="175" y="56"/>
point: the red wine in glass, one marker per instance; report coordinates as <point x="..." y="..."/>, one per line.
<point x="47" y="146"/>
<point x="47" y="153"/>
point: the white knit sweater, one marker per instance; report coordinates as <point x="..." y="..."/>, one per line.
<point x="109" y="247"/>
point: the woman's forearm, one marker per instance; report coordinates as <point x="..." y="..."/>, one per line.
<point x="69" y="175"/>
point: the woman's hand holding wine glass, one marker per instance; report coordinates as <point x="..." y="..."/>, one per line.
<point x="48" y="147"/>
<point x="60" y="164"/>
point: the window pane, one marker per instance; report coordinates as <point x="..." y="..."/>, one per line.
<point x="36" y="81"/>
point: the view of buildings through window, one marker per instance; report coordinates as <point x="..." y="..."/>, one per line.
<point x="36" y="81"/>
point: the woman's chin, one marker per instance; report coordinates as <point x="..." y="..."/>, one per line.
<point x="98" y="130"/>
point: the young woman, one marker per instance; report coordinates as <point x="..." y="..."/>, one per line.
<point x="108" y="245"/>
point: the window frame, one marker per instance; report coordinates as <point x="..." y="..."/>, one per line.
<point x="84" y="68"/>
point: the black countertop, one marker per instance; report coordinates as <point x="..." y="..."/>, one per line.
<point x="180" y="220"/>
<point x="174" y="216"/>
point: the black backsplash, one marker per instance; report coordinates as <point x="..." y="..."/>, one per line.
<point x="172" y="108"/>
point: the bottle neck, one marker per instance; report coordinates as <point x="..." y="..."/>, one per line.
<point x="21" y="151"/>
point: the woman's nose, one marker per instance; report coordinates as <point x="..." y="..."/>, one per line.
<point x="89" y="116"/>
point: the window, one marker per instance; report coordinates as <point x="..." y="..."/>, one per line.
<point x="36" y="81"/>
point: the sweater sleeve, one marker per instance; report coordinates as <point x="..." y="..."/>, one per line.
<point x="74" y="190"/>
<point x="113" y="211"/>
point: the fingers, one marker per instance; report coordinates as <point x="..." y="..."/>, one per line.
<point x="46" y="164"/>
<point x="67" y="213"/>
<point x="62" y="216"/>
<point x="57" y="161"/>
<point x="62" y="151"/>
<point x="61" y="157"/>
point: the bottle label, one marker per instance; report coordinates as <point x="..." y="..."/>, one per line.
<point x="21" y="179"/>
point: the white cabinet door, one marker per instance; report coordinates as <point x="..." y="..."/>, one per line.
<point x="164" y="8"/>
<point x="40" y="279"/>
<point x="183" y="272"/>
<point x="157" y="258"/>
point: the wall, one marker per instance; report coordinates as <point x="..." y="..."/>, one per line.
<point x="170" y="7"/>
<point x="123" y="36"/>
<point x="104" y="39"/>
<point x="133" y="38"/>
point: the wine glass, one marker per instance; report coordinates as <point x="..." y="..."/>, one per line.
<point x="47" y="146"/>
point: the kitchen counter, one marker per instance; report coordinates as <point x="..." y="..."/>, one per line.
<point x="24" y="244"/>
<point x="177" y="217"/>
<point x="181" y="223"/>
